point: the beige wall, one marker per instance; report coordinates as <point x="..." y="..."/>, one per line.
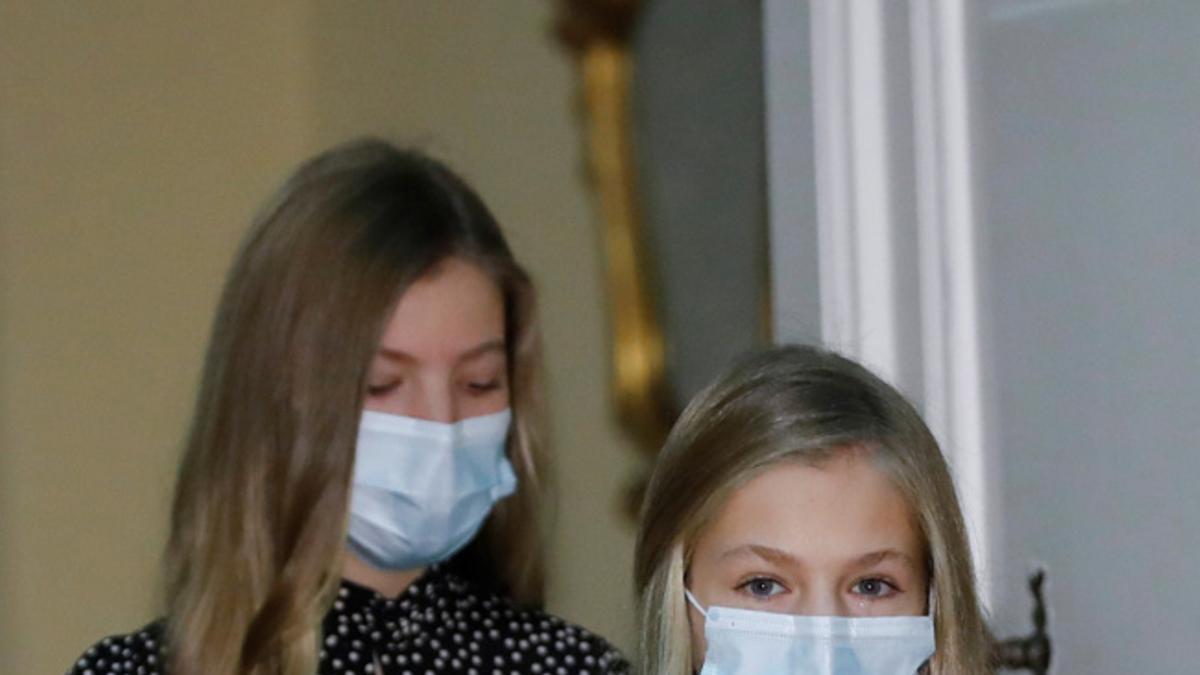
<point x="136" y="139"/>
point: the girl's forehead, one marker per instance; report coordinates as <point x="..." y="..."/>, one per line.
<point x="453" y="309"/>
<point x="840" y="509"/>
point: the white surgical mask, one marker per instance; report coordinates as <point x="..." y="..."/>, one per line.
<point x="747" y="642"/>
<point x="423" y="489"/>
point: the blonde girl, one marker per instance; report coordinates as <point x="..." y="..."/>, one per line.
<point x="799" y="505"/>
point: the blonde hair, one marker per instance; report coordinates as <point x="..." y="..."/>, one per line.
<point x="799" y="404"/>
<point x="259" y="517"/>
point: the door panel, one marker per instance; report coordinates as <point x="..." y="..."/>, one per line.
<point x="1089" y="180"/>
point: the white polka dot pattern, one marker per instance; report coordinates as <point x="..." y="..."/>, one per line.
<point x="441" y="624"/>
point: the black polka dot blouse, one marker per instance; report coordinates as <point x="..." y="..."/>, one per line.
<point x="441" y="624"/>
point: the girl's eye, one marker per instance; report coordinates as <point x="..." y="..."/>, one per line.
<point x="382" y="388"/>
<point x="762" y="587"/>
<point x="483" y="387"/>
<point x="874" y="588"/>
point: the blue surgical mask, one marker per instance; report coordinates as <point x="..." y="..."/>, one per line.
<point x="423" y="489"/>
<point x="746" y="642"/>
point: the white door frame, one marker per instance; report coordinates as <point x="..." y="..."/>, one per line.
<point x="864" y="308"/>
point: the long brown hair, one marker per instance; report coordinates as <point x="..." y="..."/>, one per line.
<point x="799" y="404"/>
<point x="259" y="517"/>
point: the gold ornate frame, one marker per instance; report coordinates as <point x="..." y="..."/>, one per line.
<point x="597" y="32"/>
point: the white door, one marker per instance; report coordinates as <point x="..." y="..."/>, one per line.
<point x="1088" y="125"/>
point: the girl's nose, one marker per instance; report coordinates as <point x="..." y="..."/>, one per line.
<point x="823" y="602"/>
<point x="433" y="402"/>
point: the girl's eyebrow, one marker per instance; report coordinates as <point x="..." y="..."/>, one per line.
<point x="494" y="345"/>
<point x="485" y="347"/>
<point x="395" y="355"/>
<point x="781" y="557"/>
<point x="876" y="557"/>
<point x="767" y="553"/>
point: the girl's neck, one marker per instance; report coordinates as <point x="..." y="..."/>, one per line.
<point x="389" y="583"/>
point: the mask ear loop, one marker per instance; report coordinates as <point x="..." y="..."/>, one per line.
<point x="695" y="603"/>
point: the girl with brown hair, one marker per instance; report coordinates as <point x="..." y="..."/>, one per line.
<point x="361" y="484"/>
<point x="801" y="519"/>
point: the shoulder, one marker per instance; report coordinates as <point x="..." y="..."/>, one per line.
<point x="514" y="638"/>
<point x="137" y="652"/>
